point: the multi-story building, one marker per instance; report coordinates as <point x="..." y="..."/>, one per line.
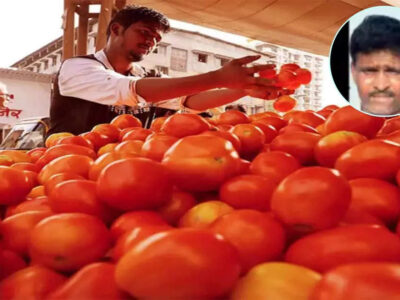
<point x="184" y="52"/>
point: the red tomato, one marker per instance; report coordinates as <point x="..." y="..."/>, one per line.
<point x="16" y="230"/>
<point x="360" y="217"/>
<point x="145" y="184"/>
<point x="251" y="138"/>
<point x="129" y="149"/>
<point x="34" y="282"/>
<point x="331" y="146"/>
<point x="181" y="125"/>
<point x="109" y="130"/>
<point x="299" y="144"/>
<point x="213" y="274"/>
<point x="10" y="263"/>
<point x="101" y="162"/>
<point x="75" y="140"/>
<point x="276" y="122"/>
<point x="274" y="165"/>
<point x="203" y="214"/>
<point x="130" y="220"/>
<point x="375" y="158"/>
<point x="349" y="119"/>
<point x="343" y="245"/>
<point x="25" y="166"/>
<point x="79" y="195"/>
<point x="305" y="117"/>
<point x="55" y="179"/>
<point x="75" y="164"/>
<point x="84" y="239"/>
<point x="36" y="153"/>
<point x="303" y="76"/>
<point x="96" y="139"/>
<point x="284" y="103"/>
<point x="37" y="204"/>
<point x="248" y="191"/>
<point x="155" y="147"/>
<point x="269" y="131"/>
<point x="257" y="237"/>
<point x="178" y="205"/>
<point x="376" y="197"/>
<point x="390" y="125"/>
<point x="136" y="133"/>
<point x="227" y="135"/>
<point x="94" y="281"/>
<point x="14" y="186"/>
<point x="360" y="281"/>
<point x="232" y="117"/>
<point x="311" y="199"/>
<point x="201" y="163"/>
<point x="125" y="121"/>
<point x="295" y="127"/>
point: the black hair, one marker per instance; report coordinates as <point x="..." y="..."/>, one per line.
<point x="131" y="14"/>
<point x="375" y="33"/>
<point x="238" y="107"/>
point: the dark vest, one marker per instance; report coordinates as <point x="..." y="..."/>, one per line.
<point x="75" y="115"/>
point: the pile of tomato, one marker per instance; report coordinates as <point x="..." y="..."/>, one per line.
<point x="304" y="205"/>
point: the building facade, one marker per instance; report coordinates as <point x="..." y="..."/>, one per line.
<point x="184" y="52"/>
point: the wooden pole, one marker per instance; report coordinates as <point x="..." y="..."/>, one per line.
<point x="68" y="26"/>
<point x="83" y="30"/>
<point x="120" y="4"/>
<point x="104" y="19"/>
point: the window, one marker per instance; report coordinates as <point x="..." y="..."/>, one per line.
<point x="162" y="69"/>
<point x="178" y="59"/>
<point x="54" y="60"/>
<point x="46" y="64"/>
<point x="222" y="60"/>
<point x="161" y="49"/>
<point x="202" y="58"/>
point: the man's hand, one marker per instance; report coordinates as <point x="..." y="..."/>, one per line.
<point x="236" y="75"/>
<point x="261" y="92"/>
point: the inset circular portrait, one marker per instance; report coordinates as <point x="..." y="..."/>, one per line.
<point x="365" y="61"/>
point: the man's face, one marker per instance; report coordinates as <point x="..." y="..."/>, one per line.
<point x="140" y="39"/>
<point x="377" y="76"/>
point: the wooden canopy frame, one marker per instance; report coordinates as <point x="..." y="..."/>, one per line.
<point x="82" y="8"/>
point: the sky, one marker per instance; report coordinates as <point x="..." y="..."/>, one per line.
<point x="27" y="25"/>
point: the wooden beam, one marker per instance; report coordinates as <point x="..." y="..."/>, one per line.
<point x="83" y="30"/>
<point x="120" y="4"/>
<point x="68" y="27"/>
<point x="104" y="19"/>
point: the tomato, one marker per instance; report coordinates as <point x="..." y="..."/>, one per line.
<point x="360" y="281"/>
<point x="37" y="191"/>
<point x="84" y="239"/>
<point x="37" y="204"/>
<point x="232" y="117"/>
<point x="393" y="136"/>
<point x="75" y="140"/>
<point x="353" y="216"/>
<point x="284" y="103"/>
<point x="125" y="121"/>
<point x="257" y="237"/>
<point x="145" y="184"/>
<point x="325" y="113"/>
<point x="98" y="140"/>
<point x="269" y="131"/>
<point x="224" y="127"/>
<point x="14" y="186"/>
<point x="276" y="280"/>
<point x="375" y="158"/>
<point x="213" y="273"/>
<point x="130" y="220"/>
<point x="248" y="191"/>
<point x="136" y="133"/>
<point x="101" y="162"/>
<point x="156" y="146"/>
<point x="79" y="195"/>
<point x="342" y="245"/>
<point x="157" y="124"/>
<point x="131" y="238"/>
<point x="295" y="127"/>
<point x="53" y="138"/>
<point x="274" y="165"/>
<point x="61" y="150"/>
<point x="261" y="115"/>
<point x="129" y="148"/>
<point x="73" y="163"/>
<point x="10" y="263"/>
<point x="376" y="197"/>
<point x="331" y="146"/>
<point x="36" y="153"/>
<point x="269" y="73"/>
<point x="307" y="118"/>
<point x="34" y="282"/>
<point x="176" y="207"/>
<point x="252" y="139"/>
<point x="311" y="199"/>
<point x="201" y="163"/>
<point x="276" y="122"/>
<point x="227" y="135"/>
<point x="180" y="125"/>
<point x="390" y="125"/>
<point x="25" y="166"/>
<point x="92" y="282"/>
<point x="109" y="130"/>
<point x="286" y="78"/>
<point x="16" y="230"/>
<point x="299" y="144"/>
<point x="203" y="214"/>
<point x="107" y="148"/>
<point x="349" y="119"/>
<point x="55" y="179"/>
<point x="303" y="76"/>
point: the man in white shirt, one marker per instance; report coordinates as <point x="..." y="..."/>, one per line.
<point x="375" y="53"/>
<point x="94" y="89"/>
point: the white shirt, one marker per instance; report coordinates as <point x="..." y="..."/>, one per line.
<point x="88" y="79"/>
